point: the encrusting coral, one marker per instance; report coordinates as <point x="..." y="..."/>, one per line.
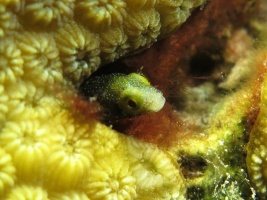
<point x="257" y="152"/>
<point x="44" y="13"/>
<point x="143" y="28"/>
<point x="49" y="150"/>
<point x="7" y="172"/>
<point x="52" y="143"/>
<point x="100" y="14"/>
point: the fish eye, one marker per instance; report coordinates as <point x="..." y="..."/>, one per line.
<point x="131" y="103"/>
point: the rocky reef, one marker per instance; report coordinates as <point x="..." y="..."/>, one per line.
<point x="209" y="61"/>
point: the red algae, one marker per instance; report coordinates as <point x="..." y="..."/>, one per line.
<point x="159" y="128"/>
<point x="82" y="108"/>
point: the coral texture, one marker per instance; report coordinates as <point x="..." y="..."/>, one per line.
<point x="51" y="144"/>
<point x="257" y="152"/>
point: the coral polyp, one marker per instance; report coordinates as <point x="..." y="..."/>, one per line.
<point x="153" y="168"/>
<point x="7" y="171"/>
<point x="28" y="143"/>
<point x="8" y="20"/>
<point x="79" y="51"/>
<point x="69" y="195"/>
<point x="146" y="25"/>
<point x="10" y="56"/>
<point x="71" y="158"/>
<point x="98" y="14"/>
<point x="141" y="4"/>
<point x="3" y="106"/>
<point x="111" y="178"/>
<point x="27" y="192"/>
<point x="113" y="45"/>
<point x="45" y="13"/>
<point x="40" y="54"/>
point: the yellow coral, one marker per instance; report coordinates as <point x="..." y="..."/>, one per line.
<point x="100" y="14"/>
<point x="28" y="143"/>
<point x="79" y="51"/>
<point x="49" y="151"/>
<point x="45" y="13"/>
<point x="11" y="2"/>
<point x="3" y="106"/>
<point x="41" y="57"/>
<point x="111" y="178"/>
<point x="25" y="192"/>
<point x="104" y="141"/>
<point x="11" y="65"/>
<point x="69" y="195"/>
<point x="174" y="13"/>
<point x="141" y="3"/>
<point x="142" y="27"/>
<point x="70" y="158"/>
<point x="7" y="172"/>
<point x="257" y="146"/>
<point x="113" y="44"/>
<point x="8" y="20"/>
<point x="153" y="168"/>
<point x="27" y="101"/>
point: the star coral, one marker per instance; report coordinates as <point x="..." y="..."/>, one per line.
<point x="41" y="57"/>
<point x="7" y="171"/>
<point x="79" y="51"/>
<point x="28" y="144"/>
<point x="10" y="56"/>
<point x="7" y="20"/>
<point x="99" y="14"/>
<point x="111" y="178"/>
<point x="27" y="192"/>
<point x="51" y="150"/>
<point x="44" y="13"/>
<point x="142" y="28"/>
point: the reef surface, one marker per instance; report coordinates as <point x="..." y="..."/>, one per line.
<point x="208" y="141"/>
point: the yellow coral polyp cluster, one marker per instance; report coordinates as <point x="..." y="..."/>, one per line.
<point x="27" y="192"/>
<point x="41" y="57"/>
<point x="142" y="28"/>
<point x="257" y="146"/>
<point x="8" y="20"/>
<point x="79" y="49"/>
<point x="141" y="4"/>
<point x="61" y="156"/>
<point x="45" y="13"/>
<point x="28" y="144"/>
<point x="82" y="29"/>
<point x="7" y="172"/>
<point x="111" y="178"/>
<point x="100" y="14"/>
<point x="10" y="56"/>
<point x="46" y="49"/>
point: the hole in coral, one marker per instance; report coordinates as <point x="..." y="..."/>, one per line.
<point x="201" y="65"/>
<point x="115" y="67"/>
<point x="193" y="166"/>
<point x="82" y="55"/>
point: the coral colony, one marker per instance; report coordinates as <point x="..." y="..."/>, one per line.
<point x="133" y="100"/>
